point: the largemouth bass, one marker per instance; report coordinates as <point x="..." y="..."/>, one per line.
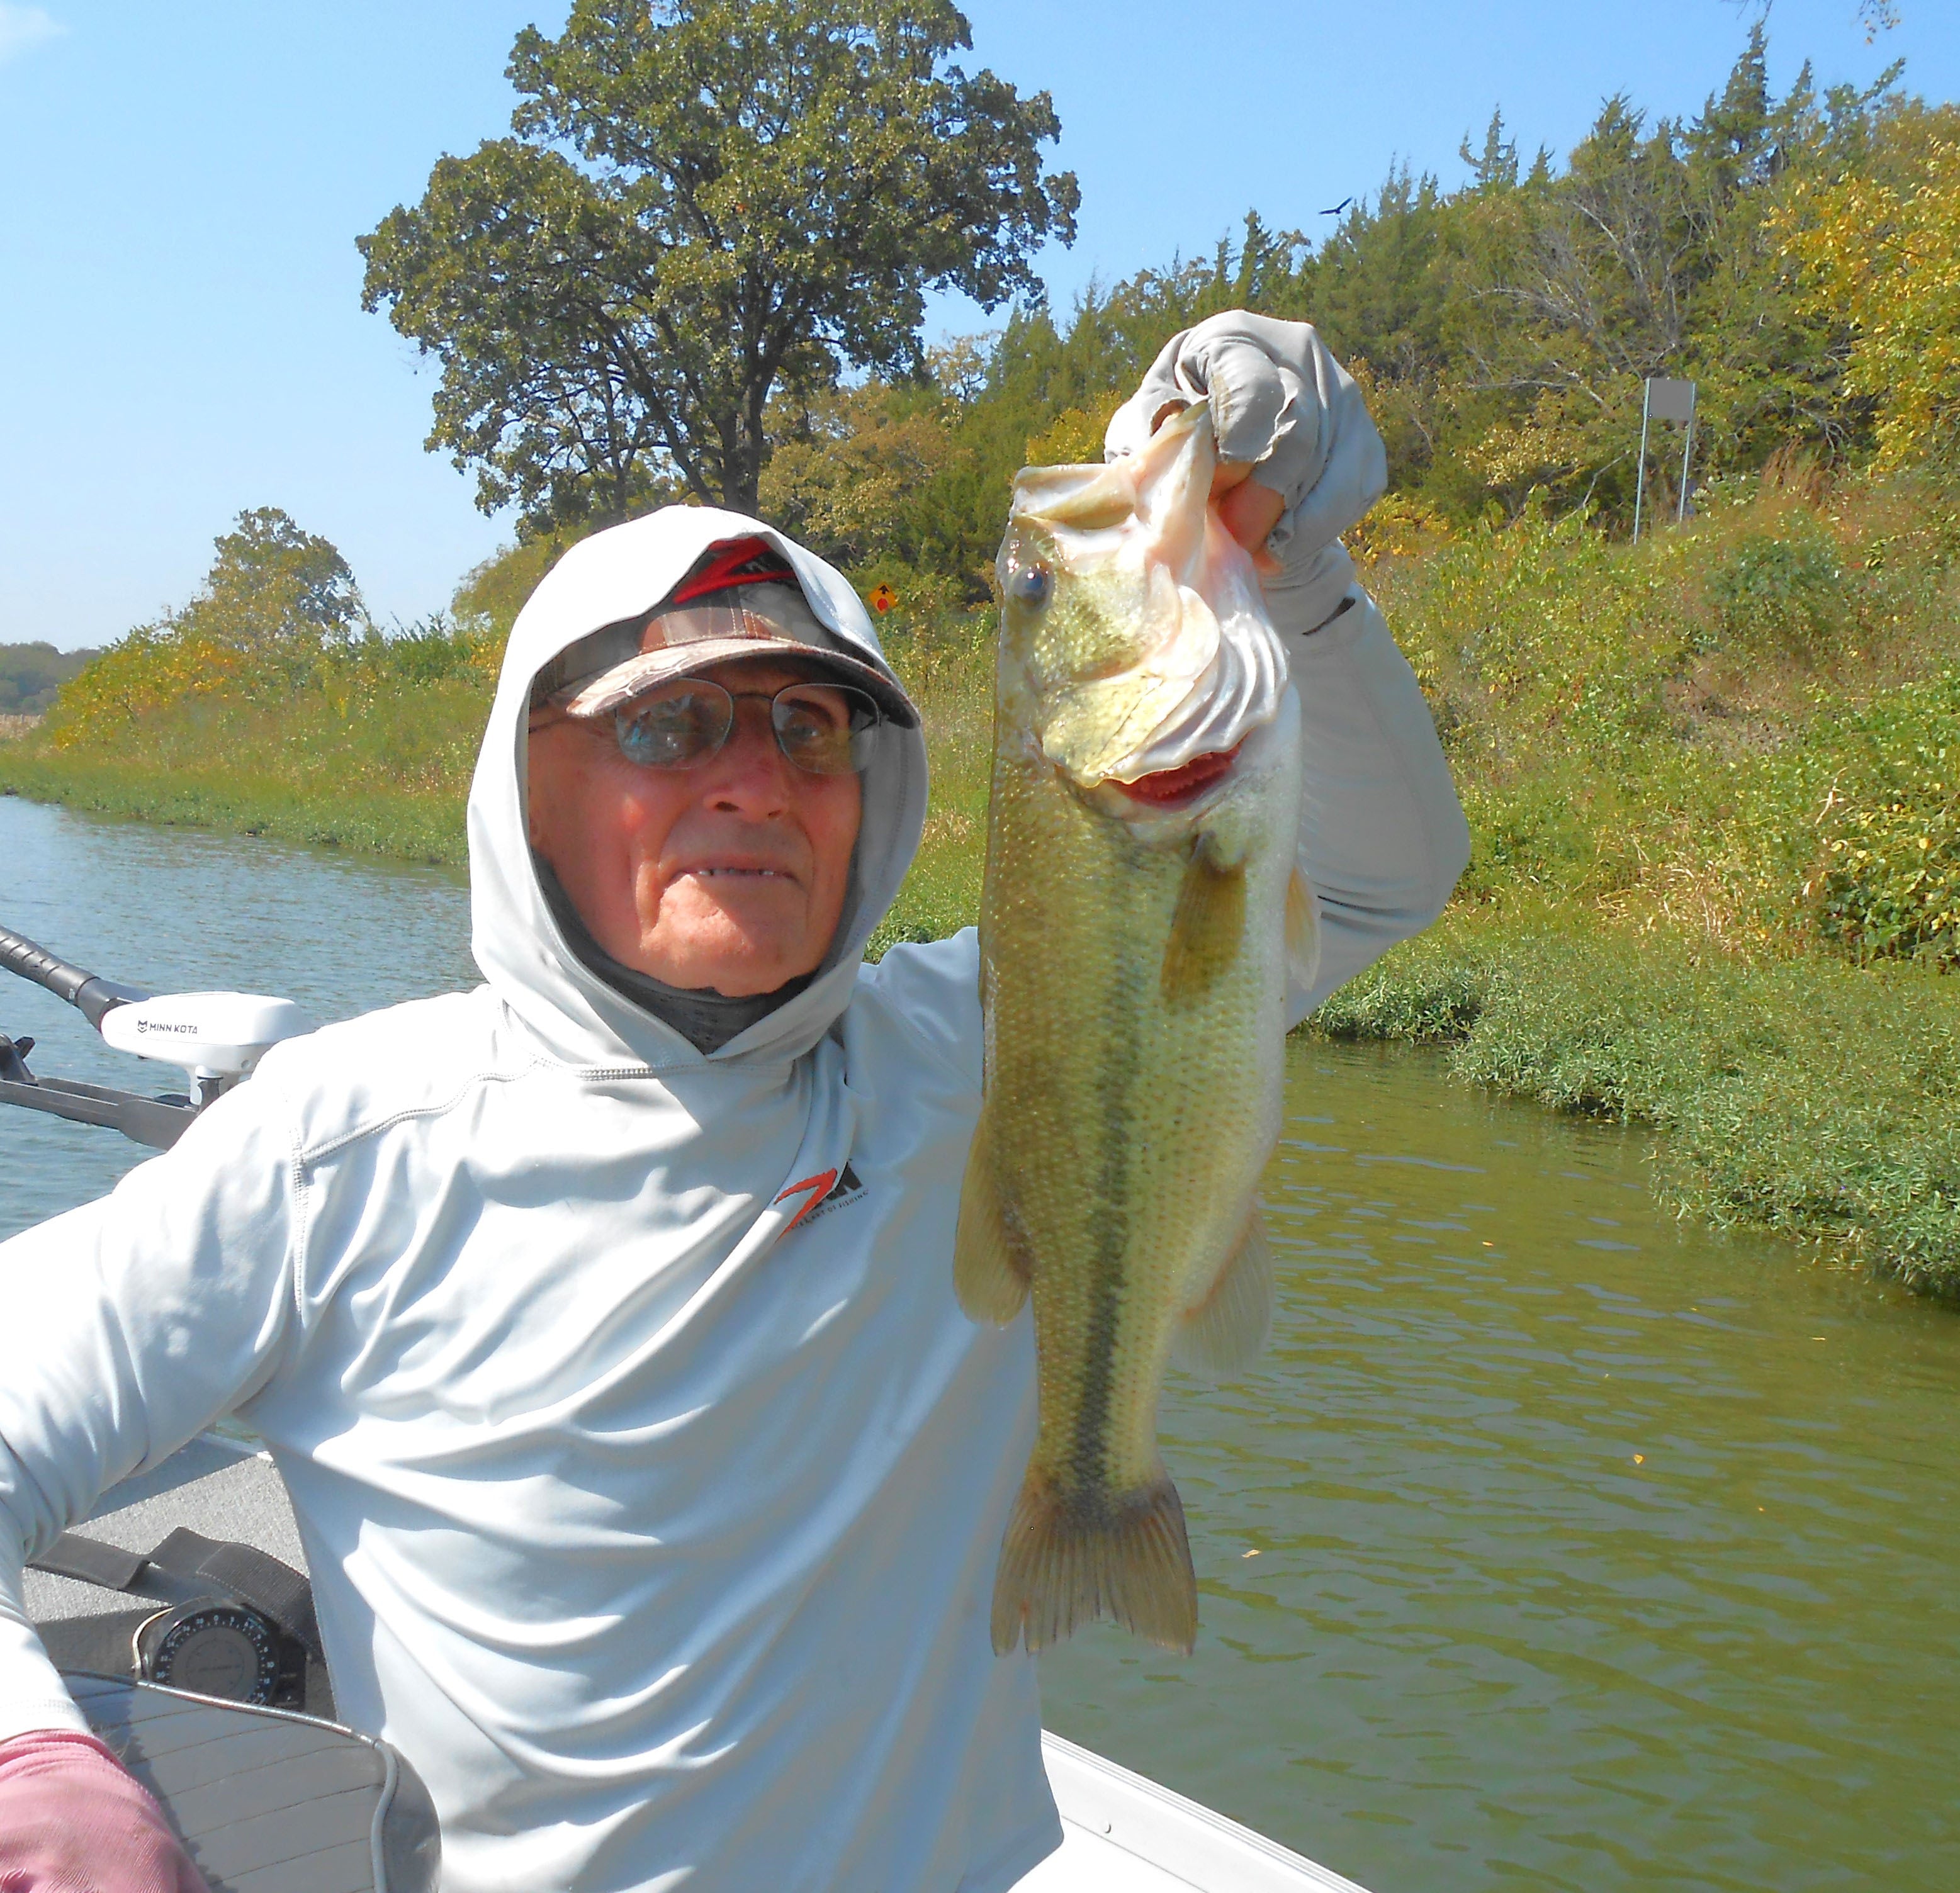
<point x="1140" y="907"/>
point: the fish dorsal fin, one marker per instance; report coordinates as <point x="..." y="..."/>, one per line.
<point x="1085" y="498"/>
<point x="1223" y="1334"/>
<point x="990" y="1269"/>
<point x="1302" y="932"/>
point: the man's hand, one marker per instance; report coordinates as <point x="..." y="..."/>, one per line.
<point x="72" y="1820"/>
<point x="1249" y="509"/>
<point x="1299" y="461"/>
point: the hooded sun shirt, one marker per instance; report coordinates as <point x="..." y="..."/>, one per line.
<point x="650" y="1478"/>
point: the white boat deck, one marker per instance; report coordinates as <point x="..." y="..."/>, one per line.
<point x="1121" y="1834"/>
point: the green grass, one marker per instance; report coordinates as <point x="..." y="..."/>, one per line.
<point x="947" y="669"/>
<point x="1750" y="730"/>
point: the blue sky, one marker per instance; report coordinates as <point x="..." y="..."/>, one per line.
<point x="179" y="310"/>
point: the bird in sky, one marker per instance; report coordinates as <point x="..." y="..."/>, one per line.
<point x="1338" y="207"/>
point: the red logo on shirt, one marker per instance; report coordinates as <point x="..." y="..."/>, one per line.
<point x="819" y="1187"/>
<point x="828" y="1190"/>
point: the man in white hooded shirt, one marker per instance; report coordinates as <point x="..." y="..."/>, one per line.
<point x="602" y="1324"/>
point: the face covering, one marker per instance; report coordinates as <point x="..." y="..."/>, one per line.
<point x="706" y="1020"/>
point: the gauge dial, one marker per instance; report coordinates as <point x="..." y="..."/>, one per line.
<point x="222" y="1650"/>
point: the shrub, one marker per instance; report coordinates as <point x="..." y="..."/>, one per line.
<point x="1786" y="586"/>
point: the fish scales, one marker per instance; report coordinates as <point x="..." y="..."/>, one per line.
<point x="1133" y="979"/>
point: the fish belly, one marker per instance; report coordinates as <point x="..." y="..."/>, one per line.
<point x="1128" y="1114"/>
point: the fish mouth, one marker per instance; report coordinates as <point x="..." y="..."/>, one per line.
<point x="1173" y="788"/>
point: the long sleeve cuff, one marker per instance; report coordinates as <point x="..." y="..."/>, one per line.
<point x="32" y="1697"/>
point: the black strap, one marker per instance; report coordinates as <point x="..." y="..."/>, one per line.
<point x="72" y="1555"/>
<point x="104" y="1645"/>
<point x="272" y="1588"/>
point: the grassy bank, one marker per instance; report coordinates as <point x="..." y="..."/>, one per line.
<point x="1714" y="786"/>
<point x="1806" y="1095"/>
<point x="367" y="745"/>
<point x="405" y="824"/>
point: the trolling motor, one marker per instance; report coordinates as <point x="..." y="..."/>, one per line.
<point x="214" y="1038"/>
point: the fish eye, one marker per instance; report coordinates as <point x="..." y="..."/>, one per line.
<point x="1031" y="584"/>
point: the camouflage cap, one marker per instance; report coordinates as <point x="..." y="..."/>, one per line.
<point x="742" y="601"/>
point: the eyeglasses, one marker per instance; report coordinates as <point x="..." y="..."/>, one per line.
<point x="825" y="729"/>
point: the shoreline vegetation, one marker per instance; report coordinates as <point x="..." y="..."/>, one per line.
<point x="1712" y="778"/>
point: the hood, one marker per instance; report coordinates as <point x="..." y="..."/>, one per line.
<point x="625" y="570"/>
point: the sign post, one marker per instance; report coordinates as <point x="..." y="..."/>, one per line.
<point x="1665" y="400"/>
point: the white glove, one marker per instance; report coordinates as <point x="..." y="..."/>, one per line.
<point x="1281" y="402"/>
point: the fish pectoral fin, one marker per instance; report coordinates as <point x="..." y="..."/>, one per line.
<point x="990" y="1268"/>
<point x="1122" y="1555"/>
<point x="1302" y="932"/>
<point x="1207" y="927"/>
<point x="1223" y="1334"/>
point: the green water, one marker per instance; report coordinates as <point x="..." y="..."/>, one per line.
<point x="1592" y="1552"/>
<point x="1481" y="1645"/>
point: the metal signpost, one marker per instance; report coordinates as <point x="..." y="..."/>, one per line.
<point x="1666" y="400"/>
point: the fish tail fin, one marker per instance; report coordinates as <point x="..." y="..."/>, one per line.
<point x="1126" y="1558"/>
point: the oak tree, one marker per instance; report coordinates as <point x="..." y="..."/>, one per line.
<point x="701" y="203"/>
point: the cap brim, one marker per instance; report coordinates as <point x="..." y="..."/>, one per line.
<point x="622" y="684"/>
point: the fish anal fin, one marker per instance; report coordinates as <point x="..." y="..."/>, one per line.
<point x="1207" y="927"/>
<point x="1302" y="932"/>
<point x="1223" y="1334"/>
<point x="990" y="1268"/>
<point x="1122" y="1556"/>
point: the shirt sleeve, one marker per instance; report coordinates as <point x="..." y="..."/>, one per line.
<point x="933" y="990"/>
<point x="129" y="1325"/>
<point x="1382" y="838"/>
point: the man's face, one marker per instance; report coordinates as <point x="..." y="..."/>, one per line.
<point x="728" y="875"/>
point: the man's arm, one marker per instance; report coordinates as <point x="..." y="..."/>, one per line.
<point x="1382" y="838"/>
<point x="126" y="1327"/>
